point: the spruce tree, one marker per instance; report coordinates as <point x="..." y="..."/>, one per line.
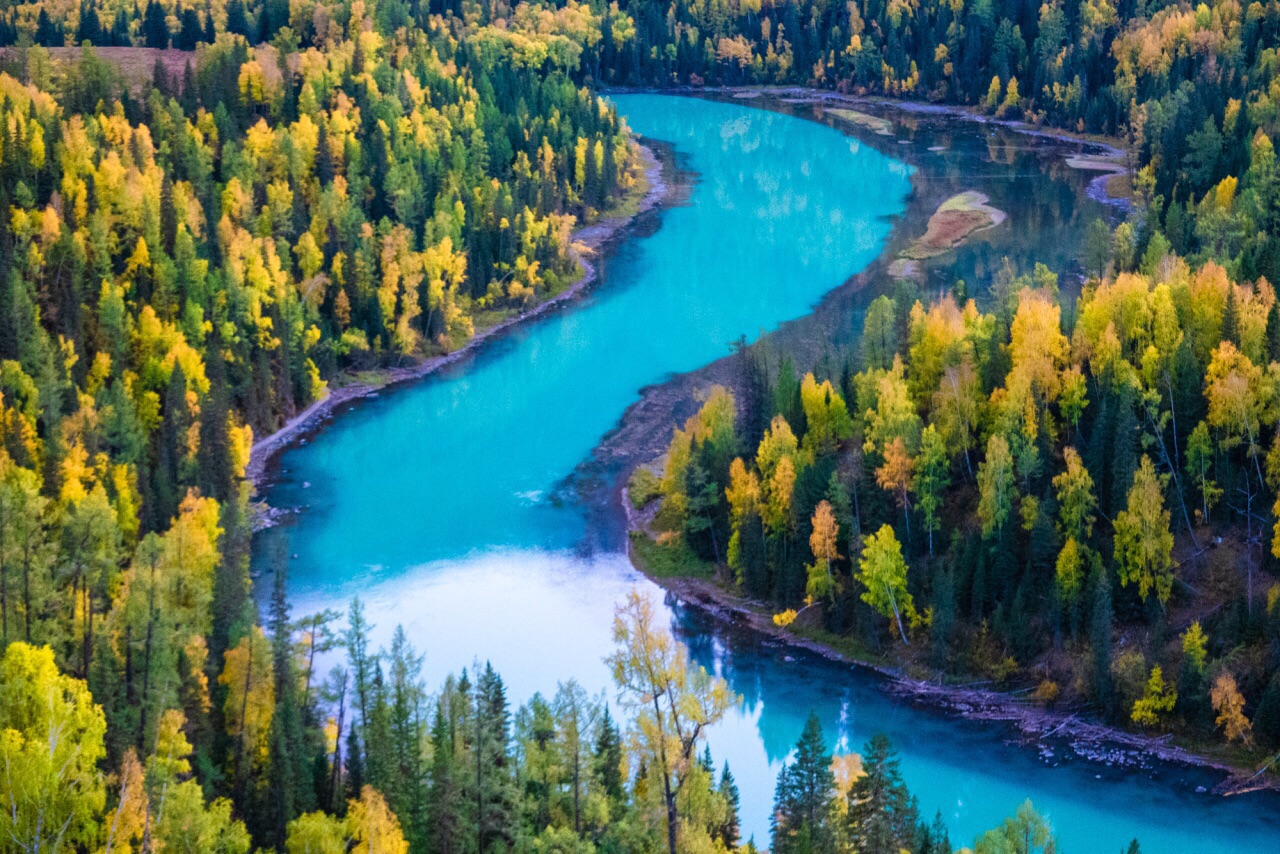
<point x="407" y="794"/>
<point x="803" y="806"/>
<point x="1122" y="459"/>
<point x="730" y="831"/>
<point x="155" y="27"/>
<point x="934" y="838"/>
<point x="233" y="609"/>
<point x="608" y="758"/>
<point x="216" y="474"/>
<point x="355" y="764"/>
<point x="445" y="807"/>
<point x="238" y="20"/>
<point x="290" y="793"/>
<point x="191" y="31"/>
<point x="119" y="36"/>
<point x="1266" y="719"/>
<point x="493" y="785"/>
<point x="1231" y="318"/>
<point x="170" y="453"/>
<point x="90" y="28"/>
<point x="1100" y="641"/>
<point x="48" y="34"/>
<point x="881" y="813"/>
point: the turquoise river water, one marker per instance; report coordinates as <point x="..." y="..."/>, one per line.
<point x="438" y="504"/>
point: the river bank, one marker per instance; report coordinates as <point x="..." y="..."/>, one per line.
<point x="585" y="243"/>
<point x="1046" y="730"/>
<point x="643" y="432"/>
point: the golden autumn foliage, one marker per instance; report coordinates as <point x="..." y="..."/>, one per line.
<point x="249" y="681"/>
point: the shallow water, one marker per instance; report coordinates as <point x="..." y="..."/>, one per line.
<point x="441" y="505"/>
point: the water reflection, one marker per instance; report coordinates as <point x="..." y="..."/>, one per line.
<point x="436" y="504"/>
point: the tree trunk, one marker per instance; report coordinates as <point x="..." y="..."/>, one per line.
<point x="673" y="820"/>
<point x="26" y="592"/>
<point x="898" y="617"/>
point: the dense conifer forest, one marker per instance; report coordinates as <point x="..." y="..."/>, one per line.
<point x="1075" y="494"/>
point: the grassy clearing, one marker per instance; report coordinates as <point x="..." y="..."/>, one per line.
<point x="669" y="560"/>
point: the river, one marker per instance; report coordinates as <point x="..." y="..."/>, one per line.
<point x="445" y="505"/>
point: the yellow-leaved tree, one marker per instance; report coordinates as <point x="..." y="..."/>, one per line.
<point x="822" y="542"/>
<point x="674" y="701"/>
<point x="51" y="740"/>
<point x="247" y="674"/>
<point x="1144" y="544"/>
<point x="883" y="571"/>
<point x="1229" y="704"/>
<point x="1158" y="700"/>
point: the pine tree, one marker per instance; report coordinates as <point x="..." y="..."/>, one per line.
<point x="274" y="15"/>
<point x="191" y="32"/>
<point x="216" y="474"/>
<point x="406" y="793"/>
<point x="171" y="441"/>
<point x="608" y="758"/>
<point x="1122" y="458"/>
<point x="233" y="609"/>
<point x="237" y="20"/>
<point x="48" y="34"/>
<point x="362" y="661"/>
<point x="730" y="832"/>
<point x="1100" y="641"/>
<point x="933" y="839"/>
<point x="803" y="805"/>
<point x="445" y="808"/>
<point x="492" y="792"/>
<point x="290" y="791"/>
<point x="1231" y="318"/>
<point x="155" y="28"/>
<point x="355" y="763"/>
<point x="1266" y="718"/>
<point x="90" y="28"/>
<point x="119" y="36"/>
<point x="1273" y="332"/>
<point x="882" y="813"/>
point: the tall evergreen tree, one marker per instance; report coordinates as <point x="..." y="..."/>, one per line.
<point x="155" y="26"/>
<point x="291" y="792"/>
<point x="238" y="20"/>
<point x="730" y="832"/>
<point x="1100" y="640"/>
<point x="804" y="803"/>
<point x="608" y="757"/>
<point x="90" y="28"/>
<point x="882" y="813"/>
<point x="492" y="794"/>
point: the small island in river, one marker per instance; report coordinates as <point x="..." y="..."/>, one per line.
<point x="956" y="220"/>
<point x="875" y="124"/>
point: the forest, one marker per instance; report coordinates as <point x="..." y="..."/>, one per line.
<point x="1004" y="494"/>
<point x="320" y="188"/>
